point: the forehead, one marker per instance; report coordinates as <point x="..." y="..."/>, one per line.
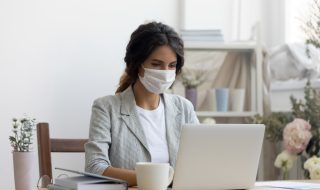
<point x="164" y="53"/>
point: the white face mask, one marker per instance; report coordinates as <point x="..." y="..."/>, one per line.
<point x="157" y="81"/>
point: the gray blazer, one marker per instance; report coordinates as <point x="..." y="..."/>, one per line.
<point x="116" y="137"/>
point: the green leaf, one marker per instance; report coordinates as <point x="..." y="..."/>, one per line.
<point x="11" y="138"/>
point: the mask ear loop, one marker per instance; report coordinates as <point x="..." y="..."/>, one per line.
<point x="143" y="71"/>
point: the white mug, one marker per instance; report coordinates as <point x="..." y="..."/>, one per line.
<point x="237" y="99"/>
<point x="153" y="176"/>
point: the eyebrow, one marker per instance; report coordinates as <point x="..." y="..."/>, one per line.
<point x="160" y="61"/>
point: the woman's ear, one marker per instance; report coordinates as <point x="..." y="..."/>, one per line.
<point x="141" y="71"/>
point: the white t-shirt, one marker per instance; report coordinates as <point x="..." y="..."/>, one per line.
<point x="153" y="124"/>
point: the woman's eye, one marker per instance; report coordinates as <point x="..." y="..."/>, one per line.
<point x="173" y="65"/>
<point x="156" y="64"/>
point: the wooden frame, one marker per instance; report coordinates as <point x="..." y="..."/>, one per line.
<point x="46" y="145"/>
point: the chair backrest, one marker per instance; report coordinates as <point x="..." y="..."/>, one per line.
<point x="46" y="145"/>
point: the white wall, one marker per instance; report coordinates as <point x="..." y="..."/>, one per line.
<point x="56" y="57"/>
<point x="236" y="18"/>
<point x="273" y="22"/>
<point x="211" y="14"/>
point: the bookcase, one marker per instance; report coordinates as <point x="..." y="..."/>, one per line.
<point x="256" y="73"/>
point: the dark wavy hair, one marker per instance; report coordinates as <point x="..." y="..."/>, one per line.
<point x="143" y="41"/>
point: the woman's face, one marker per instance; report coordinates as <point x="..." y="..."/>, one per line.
<point x="162" y="58"/>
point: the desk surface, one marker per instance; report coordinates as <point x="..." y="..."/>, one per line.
<point x="255" y="188"/>
<point x="316" y="182"/>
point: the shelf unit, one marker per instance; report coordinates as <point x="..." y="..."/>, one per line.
<point x="225" y="114"/>
<point x="247" y="46"/>
<point x="255" y="72"/>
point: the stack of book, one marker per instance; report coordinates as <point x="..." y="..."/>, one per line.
<point x="88" y="181"/>
<point x="202" y="35"/>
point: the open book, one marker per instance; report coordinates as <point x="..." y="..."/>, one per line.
<point x="87" y="181"/>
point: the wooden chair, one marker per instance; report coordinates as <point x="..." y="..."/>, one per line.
<point x="46" y="145"/>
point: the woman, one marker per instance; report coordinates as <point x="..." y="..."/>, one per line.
<point x="140" y="123"/>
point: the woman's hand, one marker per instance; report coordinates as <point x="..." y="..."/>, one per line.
<point x="124" y="174"/>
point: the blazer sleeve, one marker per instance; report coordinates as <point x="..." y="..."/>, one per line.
<point x="96" y="149"/>
<point x="192" y="116"/>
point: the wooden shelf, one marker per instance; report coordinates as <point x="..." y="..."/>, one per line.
<point x="224" y="114"/>
<point x="221" y="46"/>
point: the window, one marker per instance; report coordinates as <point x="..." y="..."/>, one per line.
<point x="296" y="14"/>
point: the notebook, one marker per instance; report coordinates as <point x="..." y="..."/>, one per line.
<point x="87" y="181"/>
<point x="220" y="156"/>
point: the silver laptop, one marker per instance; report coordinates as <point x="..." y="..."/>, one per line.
<point x="220" y="156"/>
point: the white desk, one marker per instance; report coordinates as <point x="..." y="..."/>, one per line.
<point x="269" y="188"/>
<point x="255" y="188"/>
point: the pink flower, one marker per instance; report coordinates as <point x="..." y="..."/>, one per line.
<point x="296" y="136"/>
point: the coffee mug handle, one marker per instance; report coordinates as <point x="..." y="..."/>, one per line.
<point x="171" y="174"/>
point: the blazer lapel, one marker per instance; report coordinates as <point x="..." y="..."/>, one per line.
<point x="130" y="116"/>
<point x="173" y="127"/>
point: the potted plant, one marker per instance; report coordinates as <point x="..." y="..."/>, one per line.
<point x="191" y="79"/>
<point x="299" y="133"/>
<point x="23" y="156"/>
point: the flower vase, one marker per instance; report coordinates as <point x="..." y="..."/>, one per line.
<point x="191" y="95"/>
<point x="23" y="164"/>
<point x="303" y="173"/>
